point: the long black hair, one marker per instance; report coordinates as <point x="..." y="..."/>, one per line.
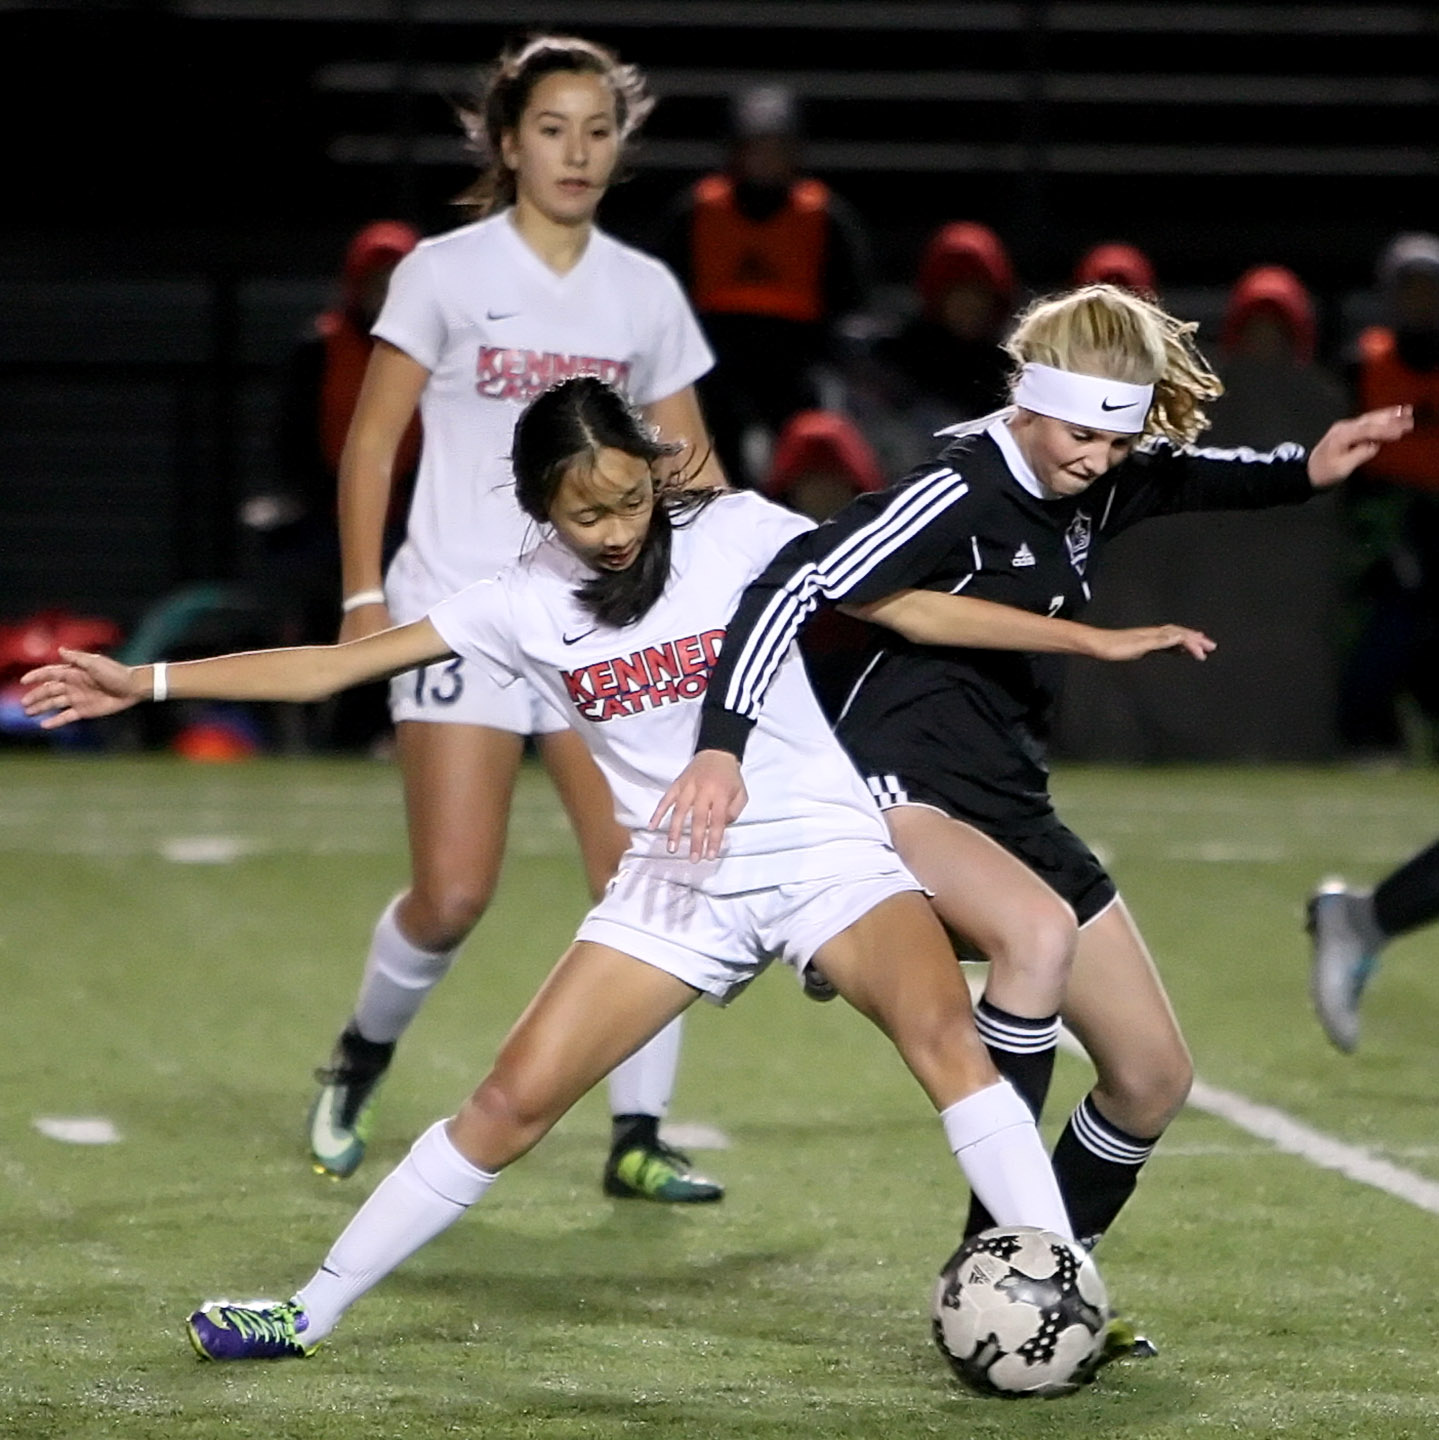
<point x="572" y="422"/>
<point x="506" y="91"/>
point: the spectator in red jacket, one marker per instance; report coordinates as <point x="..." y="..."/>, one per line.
<point x="1118" y="263"/>
<point x="947" y="363"/>
<point x="821" y="462"/>
<point x="1274" y="388"/>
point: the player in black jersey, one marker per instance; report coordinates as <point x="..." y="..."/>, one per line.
<point x="1107" y="401"/>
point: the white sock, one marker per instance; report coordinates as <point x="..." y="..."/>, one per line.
<point x="424" y="1194"/>
<point x="997" y="1144"/>
<point x="398" y="976"/>
<point x="643" y="1084"/>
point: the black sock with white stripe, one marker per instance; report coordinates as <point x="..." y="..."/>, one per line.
<point x="1097" y="1165"/>
<point x="1023" y="1052"/>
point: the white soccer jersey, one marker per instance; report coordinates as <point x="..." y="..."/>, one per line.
<point x="494" y="326"/>
<point x="634" y="694"/>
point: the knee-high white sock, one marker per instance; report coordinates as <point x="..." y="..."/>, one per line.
<point x="643" y="1084"/>
<point x="995" y="1140"/>
<point x="398" y="976"/>
<point x="424" y="1194"/>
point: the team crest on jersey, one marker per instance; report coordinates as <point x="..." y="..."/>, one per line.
<point x="505" y="374"/>
<point x="1023" y="557"/>
<point x="1077" y="538"/>
<point x="645" y="679"/>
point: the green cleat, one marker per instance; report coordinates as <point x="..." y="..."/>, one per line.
<point x="256" y="1330"/>
<point x="343" y="1111"/>
<point x="659" y="1172"/>
<point x="1121" y="1342"/>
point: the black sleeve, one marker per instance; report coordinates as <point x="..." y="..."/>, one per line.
<point x="1168" y="479"/>
<point x="877" y="544"/>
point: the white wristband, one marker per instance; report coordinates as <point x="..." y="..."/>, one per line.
<point x="159" y="680"/>
<point x="361" y="597"/>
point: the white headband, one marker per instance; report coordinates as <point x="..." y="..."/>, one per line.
<point x="1084" y="399"/>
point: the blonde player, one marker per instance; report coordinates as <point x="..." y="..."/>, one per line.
<point x="1018" y="507"/>
<point x="617" y="618"/>
<point x="477" y="322"/>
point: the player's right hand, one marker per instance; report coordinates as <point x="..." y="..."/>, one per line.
<point x="707" y="796"/>
<point x="364" y="620"/>
<point x="82" y="687"/>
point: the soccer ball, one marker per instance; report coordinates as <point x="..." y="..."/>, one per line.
<point x="1021" y="1311"/>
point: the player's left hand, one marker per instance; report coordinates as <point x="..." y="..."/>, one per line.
<point x="1140" y="640"/>
<point x="707" y="796"/>
<point x="1348" y="444"/>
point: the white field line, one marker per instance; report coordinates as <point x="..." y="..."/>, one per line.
<point x="1289" y="1135"/>
<point x="1292" y="1137"/>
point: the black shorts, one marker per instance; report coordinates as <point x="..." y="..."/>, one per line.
<point x="1049" y="848"/>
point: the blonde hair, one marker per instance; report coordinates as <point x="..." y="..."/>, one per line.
<point x="1114" y="334"/>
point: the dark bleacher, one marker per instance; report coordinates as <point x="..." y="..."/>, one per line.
<point x="188" y="183"/>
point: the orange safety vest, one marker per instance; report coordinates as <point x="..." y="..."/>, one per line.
<point x="1384" y="380"/>
<point x="772" y="267"/>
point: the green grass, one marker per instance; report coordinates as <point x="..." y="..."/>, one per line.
<point x="188" y="1002"/>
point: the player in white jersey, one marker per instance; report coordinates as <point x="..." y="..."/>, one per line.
<point x="617" y="618"/>
<point x="476" y="323"/>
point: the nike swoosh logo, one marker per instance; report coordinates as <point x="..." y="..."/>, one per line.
<point x="1105" y="405"/>
<point x="501" y="315"/>
<point x="332" y="1142"/>
<point x="575" y="639"/>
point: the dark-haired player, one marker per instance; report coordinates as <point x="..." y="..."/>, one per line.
<point x="616" y="617"/>
<point x="476" y="323"/>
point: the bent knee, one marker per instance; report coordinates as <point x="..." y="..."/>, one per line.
<point x="504" y="1117"/>
<point x="1144" y="1098"/>
<point x="1031" y="956"/>
<point x="438" y="916"/>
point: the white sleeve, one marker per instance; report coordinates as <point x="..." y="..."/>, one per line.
<point x="412" y="318"/>
<point x="761" y="528"/>
<point x="477" y="624"/>
<point x="673" y="349"/>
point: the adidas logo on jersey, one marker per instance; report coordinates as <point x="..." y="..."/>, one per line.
<point x="1023" y="557"/>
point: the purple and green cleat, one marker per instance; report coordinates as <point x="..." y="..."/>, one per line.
<point x="256" y="1330"/>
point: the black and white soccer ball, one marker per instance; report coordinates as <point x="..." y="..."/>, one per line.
<point x="1021" y="1311"/>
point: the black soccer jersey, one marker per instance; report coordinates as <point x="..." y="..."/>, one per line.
<point x="971" y="722"/>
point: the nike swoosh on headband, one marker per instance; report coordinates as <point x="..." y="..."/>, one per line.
<point x="1105" y="405"/>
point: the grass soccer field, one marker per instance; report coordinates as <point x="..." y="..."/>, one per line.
<point x="180" y="943"/>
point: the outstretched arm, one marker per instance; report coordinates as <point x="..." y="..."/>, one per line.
<point x="85" y="686"/>
<point x="933" y="617"/>
<point x="709" y="793"/>
<point x="1171" y="479"/>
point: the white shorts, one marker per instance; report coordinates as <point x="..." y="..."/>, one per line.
<point x="463" y="692"/>
<point x="719" y="943"/>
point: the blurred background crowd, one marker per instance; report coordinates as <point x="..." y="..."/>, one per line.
<point x="857" y="204"/>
